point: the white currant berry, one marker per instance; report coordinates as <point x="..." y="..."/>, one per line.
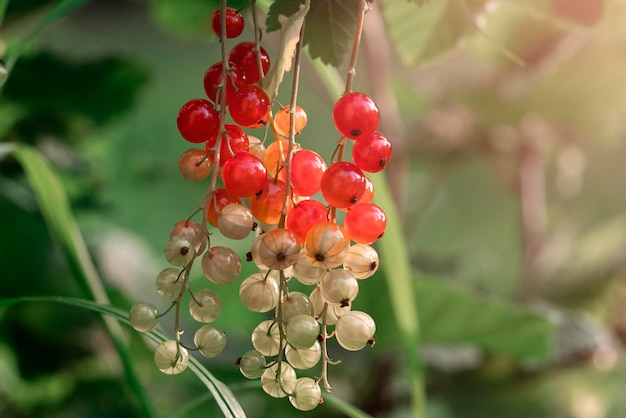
<point x="210" y="340"/>
<point x="296" y="303"/>
<point x="169" y="282"/>
<point x="304" y="359"/>
<point x="143" y="316"/>
<point x="279" y="249"/>
<point x="306" y="272"/>
<point x="252" y="364"/>
<point x="361" y="260"/>
<point x="205" y="305"/>
<point x="221" y="265"/>
<point x="192" y="231"/>
<point x="171" y="358"/>
<point x="302" y="331"/>
<point x="266" y="338"/>
<point x="332" y="312"/>
<point x="306" y="394"/>
<point x="258" y="293"/>
<point x="178" y="251"/>
<point x="279" y="386"/>
<point x="235" y="221"/>
<point x="339" y="286"/>
<point x="355" y="330"/>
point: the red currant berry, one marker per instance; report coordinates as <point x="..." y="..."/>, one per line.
<point x="234" y="140"/>
<point x="213" y="77"/>
<point x="368" y="194"/>
<point x="219" y="201"/>
<point x="234" y="22"/>
<point x="307" y="169"/>
<point x="244" y="174"/>
<point x="282" y="120"/>
<point x="342" y="184"/>
<point x="244" y="55"/>
<point x="195" y="164"/>
<point x="267" y="205"/>
<point x="372" y="153"/>
<point x="304" y="215"/>
<point x="198" y="121"/>
<point x="355" y="115"/>
<point x="365" y="222"/>
<point x="250" y="106"/>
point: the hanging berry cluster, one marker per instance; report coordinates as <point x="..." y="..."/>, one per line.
<point x="272" y="190"/>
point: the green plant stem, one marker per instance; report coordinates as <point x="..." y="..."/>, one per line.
<point x="55" y="208"/>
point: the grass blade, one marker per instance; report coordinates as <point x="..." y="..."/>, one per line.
<point x="221" y="393"/>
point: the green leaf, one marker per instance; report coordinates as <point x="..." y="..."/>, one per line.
<point x="289" y="37"/>
<point x="95" y="90"/>
<point x="61" y="8"/>
<point x="56" y="211"/>
<point x="420" y="33"/>
<point x="330" y="26"/>
<point x="456" y="316"/>
<point x="223" y="395"/>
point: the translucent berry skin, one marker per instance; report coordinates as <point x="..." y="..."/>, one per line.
<point x="267" y="205"/>
<point x="355" y="330"/>
<point x="258" y="293"/>
<point x="368" y="194"/>
<point x="279" y="249"/>
<point x="342" y="184"/>
<point x="252" y="364"/>
<point x="213" y="76"/>
<point x="235" y="222"/>
<point x="372" y="153"/>
<point x="170" y="358"/>
<point x="192" y="231"/>
<point x="278" y="386"/>
<point x="195" y="165"/>
<point x="250" y="106"/>
<point x="302" y="331"/>
<point x="143" y="316"/>
<point x="218" y="201"/>
<point x="266" y="338"/>
<point x="210" y="340"/>
<point x="362" y="261"/>
<point x="244" y="56"/>
<point x="355" y="115"/>
<point x="304" y="359"/>
<point x="339" y="286"/>
<point x="326" y="245"/>
<point x="282" y="120"/>
<point x="307" y="394"/>
<point x="275" y="156"/>
<point x="221" y="265"/>
<point x="303" y="216"/>
<point x="205" y="306"/>
<point x="296" y="303"/>
<point x="244" y="175"/>
<point x="234" y="22"/>
<point x="234" y="140"/>
<point x="365" y="222"/>
<point x="198" y="121"/>
<point x="307" y="169"/>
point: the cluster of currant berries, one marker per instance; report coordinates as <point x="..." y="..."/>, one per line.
<point x="272" y="191"/>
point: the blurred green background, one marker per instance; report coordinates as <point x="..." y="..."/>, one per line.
<point x="509" y="124"/>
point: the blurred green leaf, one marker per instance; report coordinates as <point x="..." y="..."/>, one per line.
<point x="56" y="211"/>
<point x="55" y="88"/>
<point x="423" y="32"/>
<point x="223" y="395"/>
<point x="456" y="316"/>
<point x="329" y="29"/>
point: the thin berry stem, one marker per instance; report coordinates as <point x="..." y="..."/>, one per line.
<point x="257" y="38"/>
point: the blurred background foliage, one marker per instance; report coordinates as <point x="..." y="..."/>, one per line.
<point x="508" y="120"/>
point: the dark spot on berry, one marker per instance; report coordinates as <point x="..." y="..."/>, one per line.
<point x="249" y="256"/>
<point x="320" y="338"/>
<point x="373" y="265"/>
<point x="371" y="342"/>
<point x="353" y="200"/>
<point x="382" y="162"/>
<point x="259" y="194"/>
<point x="238" y="361"/>
<point x="184" y="250"/>
<point x="254" y="226"/>
<point x="381" y="235"/>
<point x="280" y="257"/>
<point x="319" y="257"/>
<point x="355" y="132"/>
<point x="345" y="303"/>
